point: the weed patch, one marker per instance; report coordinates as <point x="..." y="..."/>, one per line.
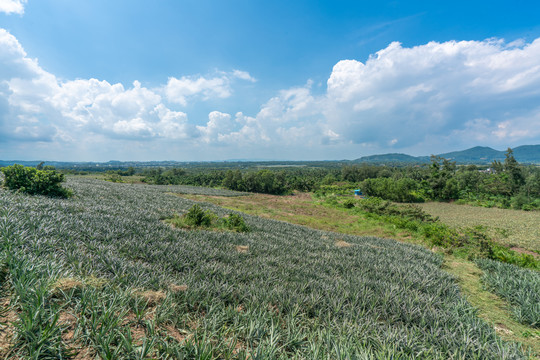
<point x="197" y="218"/>
<point x="471" y="242"/>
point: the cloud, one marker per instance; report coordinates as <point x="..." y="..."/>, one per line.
<point x="403" y="96"/>
<point x="25" y="88"/>
<point x="244" y="75"/>
<point x="12" y="6"/>
<point x="433" y="96"/>
<point x="189" y="87"/>
<point x="218" y="124"/>
<point x="452" y="94"/>
<point x="179" y="90"/>
<point x="36" y="106"/>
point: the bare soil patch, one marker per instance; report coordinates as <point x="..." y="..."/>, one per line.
<point x="342" y="244"/>
<point x="242" y="248"/>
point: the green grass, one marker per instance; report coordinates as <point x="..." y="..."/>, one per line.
<point x="468" y="242"/>
<point x="290" y="293"/>
<point x="493" y="309"/>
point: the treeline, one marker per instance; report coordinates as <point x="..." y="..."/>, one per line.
<point x="503" y="184"/>
<point x="276" y="182"/>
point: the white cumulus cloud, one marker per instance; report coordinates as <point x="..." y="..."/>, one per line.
<point x="189" y="87"/>
<point x="12" y="6"/>
<point x="452" y="94"/>
<point x="218" y="124"/>
<point x="403" y="96"/>
<point x="36" y="106"/>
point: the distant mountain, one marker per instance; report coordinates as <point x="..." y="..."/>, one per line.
<point x="477" y="154"/>
<point x="527" y="154"/>
<point x="393" y="158"/>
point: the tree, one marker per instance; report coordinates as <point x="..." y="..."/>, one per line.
<point x="497" y="166"/>
<point x="442" y="170"/>
<point x="514" y="171"/>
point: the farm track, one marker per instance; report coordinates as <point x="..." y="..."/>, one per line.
<point x="296" y="293"/>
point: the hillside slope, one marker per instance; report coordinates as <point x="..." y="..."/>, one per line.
<point x="280" y="291"/>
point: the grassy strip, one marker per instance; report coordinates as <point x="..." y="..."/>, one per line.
<point x="521" y="287"/>
<point x="471" y="243"/>
<point x="302" y="210"/>
<point x="508" y="227"/>
<point x="491" y="307"/>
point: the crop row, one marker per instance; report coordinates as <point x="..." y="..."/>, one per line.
<point x="521" y="287"/>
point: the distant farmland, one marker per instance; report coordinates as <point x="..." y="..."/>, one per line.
<point x="516" y="227"/>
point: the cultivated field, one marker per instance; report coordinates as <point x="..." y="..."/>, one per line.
<point x="102" y="275"/>
<point x="514" y="227"/>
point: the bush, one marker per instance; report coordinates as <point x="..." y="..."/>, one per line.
<point x="235" y="222"/>
<point x="348" y="204"/>
<point x="198" y="217"/>
<point x="34" y="182"/>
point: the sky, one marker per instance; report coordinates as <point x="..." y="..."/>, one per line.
<point x="206" y="80"/>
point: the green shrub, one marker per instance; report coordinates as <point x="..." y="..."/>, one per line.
<point x="34" y="182"/>
<point x="235" y="222"/>
<point x="198" y="217"/>
<point x="348" y="204"/>
<point x="114" y="177"/>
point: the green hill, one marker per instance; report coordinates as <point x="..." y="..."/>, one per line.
<point x="477" y="154"/>
<point x="528" y="154"/>
<point x="393" y="158"/>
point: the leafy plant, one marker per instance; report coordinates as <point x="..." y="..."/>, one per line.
<point x="197" y="217"/>
<point x="34" y="182"/>
<point x="235" y="222"/>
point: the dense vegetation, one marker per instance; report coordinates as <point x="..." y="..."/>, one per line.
<point x="507" y="184"/>
<point x="521" y="287"/>
<point x="469" y="242"/>
<point x="34" y="180"/>
<point x="103" y="275"/>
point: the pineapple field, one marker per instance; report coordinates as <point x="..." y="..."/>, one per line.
<point x="103" y="275"/>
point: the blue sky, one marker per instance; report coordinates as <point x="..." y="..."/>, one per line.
<point x="214" y="80"/>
